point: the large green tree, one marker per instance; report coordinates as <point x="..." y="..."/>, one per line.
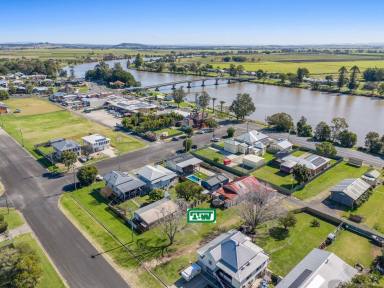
<point x="303" y="128"/>
<point x="203" y="101"/>
<point x="4" y="95"/>
<point x="301" y="173"/>
<point x="347" y="138"/>
<point x="68" y="158"/>
<point x="242" y="106"/>
<point x="178" y="96"/>
<point x="326" y="149"/>
<point x="353" y="84"/>
<point x="301" y="73"/>
<point x="188" y="190"/>
<point x="373" y="142"/>
<point x="87" y="175"/>
<point x="281" y="121"/>
<point x="338" y="124"/>
<point x="139" y="61"/>
<point x="322" y="132"/>
<point x="343" y="77"/>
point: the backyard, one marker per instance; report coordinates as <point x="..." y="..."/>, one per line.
<point x="148" y="246"/>
<point x="372" y="210"/>
<point x="328" y="179"/>
<point x="38" y="127"/>
<point x="288" y="249"/>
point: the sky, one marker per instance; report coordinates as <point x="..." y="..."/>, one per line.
<point x="193" y="22"/>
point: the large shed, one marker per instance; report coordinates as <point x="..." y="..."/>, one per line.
<point x="348" y="191"/>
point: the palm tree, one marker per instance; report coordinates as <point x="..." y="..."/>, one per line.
<point x="343" y="71"/>
<point x="213" y="103"/>
<point x="355" y="71"/>
<point x="222" y="102"/>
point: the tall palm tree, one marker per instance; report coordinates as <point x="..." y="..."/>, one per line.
<point x="222" y="102"/>
<point x="213" y="103"/>
<point x="355" y="71"/>
<point x="343" y="71"/>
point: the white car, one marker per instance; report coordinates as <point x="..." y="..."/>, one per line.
<point x="99" y="177"/>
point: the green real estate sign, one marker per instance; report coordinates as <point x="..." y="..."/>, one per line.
<point x="198" y="215"/>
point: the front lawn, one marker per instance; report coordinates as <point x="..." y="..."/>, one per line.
<point x="171" y="132"/>
<point x="211" y="154"/>
<point x="49" y="278"/>
<point x="288" y="249"/>
<point x="34" y="129"/>
<point x="147" y="246"/>
<point x="329" y="179"/>
<point x="372" y="210"/>
<point x="12" y="217"/>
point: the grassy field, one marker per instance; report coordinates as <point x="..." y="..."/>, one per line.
<point x="146" y="246"/>
<point x="211" y="154"/>
<point x="31" y="106"/>
<point x="287" y="250"/>
<point x="13" y="218"/>
<point x="171" y="132"/>
<point x="329" y="179"/>
<point x="36" y="128"/>
<point x="372" y="210"/>
<point x="49" y="278"/>
<point x="354" y="249"/>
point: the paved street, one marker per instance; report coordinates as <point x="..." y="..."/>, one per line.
<point x="36" y="197"/>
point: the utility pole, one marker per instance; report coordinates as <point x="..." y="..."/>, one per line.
<point x="22" y="138"/>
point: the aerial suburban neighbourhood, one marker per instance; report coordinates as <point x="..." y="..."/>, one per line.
<point x="230" y="144"/>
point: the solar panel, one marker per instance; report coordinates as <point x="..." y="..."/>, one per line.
<point x="302" y="277"/>
<point x="318" y="161"/>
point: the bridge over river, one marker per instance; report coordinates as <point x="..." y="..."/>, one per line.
<point x="226" y="80"/>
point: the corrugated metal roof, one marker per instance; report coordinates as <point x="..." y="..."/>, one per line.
<point x="353" y="188"/>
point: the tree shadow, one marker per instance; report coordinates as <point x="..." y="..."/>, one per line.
<point x="278" y="233"/>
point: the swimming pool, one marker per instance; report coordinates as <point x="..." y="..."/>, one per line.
<point x="194" y="178"/>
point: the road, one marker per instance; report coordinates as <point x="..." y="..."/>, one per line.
<point x="37" y="198"/>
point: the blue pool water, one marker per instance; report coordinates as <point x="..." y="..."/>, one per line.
<point x="194" y="178"/>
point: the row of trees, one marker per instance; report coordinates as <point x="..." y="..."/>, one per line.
<point x="374" y="143"/>
<point x="30" y="66"/>
<point x="337" y="132"/>
<point x="103" y="73"/>
<point x="141" y="123"/>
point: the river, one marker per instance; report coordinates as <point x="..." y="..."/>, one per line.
<point x="363" y="114"/>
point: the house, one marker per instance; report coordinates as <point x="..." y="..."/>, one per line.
<point x="214" y="182"/>
<point x="40" y="90"/>
<point x="280" y="146"/>
<point x="3" y="108"/>
<point x="21" y="89"/>
<point x="313" y="162"/>
<point x="235" y="191"/>
<point x="233" y="260"/>
<point x="156" y="176"/>
<point x="3" y="84"/>
<point x="253" y="161"/>
<point x="231" y="146"/>
<point x="320" y="269"/>
<point x="63" y="145"/>
<point x="57" y="97"/>
<point x="148" y="216"/>
<point x="372" y="177"/>
<point x="348" y="191"/>
<point x="123" y="185"/>
<point x="252" y="137"/>
<point x="95" y="142"/>
<point x="184" y="164"/>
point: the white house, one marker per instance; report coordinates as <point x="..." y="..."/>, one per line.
<point x="156" y="176"/>
<point x="280" y="146"/>
<point x="231" y="146"/>
<point x="253" y="161"/>
<point x="96" y="142"/>
<point x="320" y="269"/>
<point x="252" y="137"/>
<point x="233" y="259"/>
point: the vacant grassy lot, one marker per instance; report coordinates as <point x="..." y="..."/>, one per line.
<point x="330" y="178"/>
<point x="31" y="106"/>
<point x="170" y="131"/>
<point x="354" y="249"/>
<point x="288" y="249"/>
<point x="12" y="217"/>
<point x="49" y="278"/>
<point x="271" y="173"/>
<point x="34" y="129"/>
<point x="372" y="210"/>
<point x="147" y="246"/>
<point x="211" y="154"/>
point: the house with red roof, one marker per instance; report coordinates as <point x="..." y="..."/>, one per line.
<point x="234" y="192"/>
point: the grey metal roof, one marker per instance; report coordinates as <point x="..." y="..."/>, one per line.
<point x="215" y="179"/>
<point x="353" y="188"/>
<point x="65" y="145"/>
<point x="312" y="161"/>
<point x="159" y="209"/>
<point x="156" y="174"/>
<point x="320" y="269"/>
<point x="180" y="158"/>
<point x="123" y="181"/>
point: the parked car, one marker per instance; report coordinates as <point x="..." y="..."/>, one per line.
<point x="215" y="139"/>
<point x="175" y="139"/>
<point x="83" y="159"/>
<point x="99" y="177"/>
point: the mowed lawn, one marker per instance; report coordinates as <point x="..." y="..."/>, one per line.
<point x="287" y="250"/>
<point x="354" y="249"/>
<point x="39" y="128"/>
<point x="147" y="246"/>
<point x="330" y="178"/>
<point x="49" y="278"/>
<point x="12" y="217"/>
<point x="372" y="210"/>
<point x="31" y="106"/>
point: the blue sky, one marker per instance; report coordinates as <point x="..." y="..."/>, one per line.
<point x="193" y="22"/>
